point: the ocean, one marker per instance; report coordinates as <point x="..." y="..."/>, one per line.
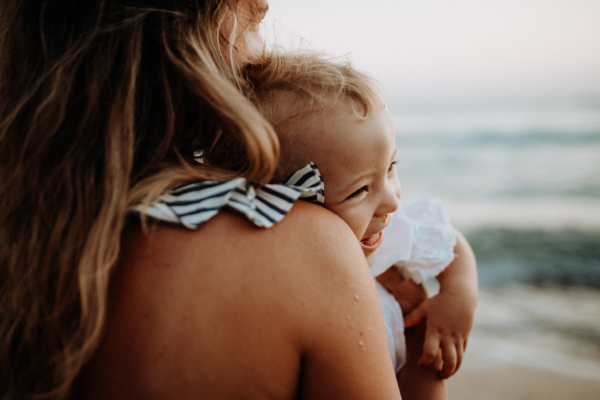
<point x="519" y="177"/>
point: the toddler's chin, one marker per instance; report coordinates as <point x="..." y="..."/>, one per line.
<point x="370" y="255"/>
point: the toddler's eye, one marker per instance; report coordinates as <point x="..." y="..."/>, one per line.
<point x="359" y="191"/>
<point x="392" y="166"/>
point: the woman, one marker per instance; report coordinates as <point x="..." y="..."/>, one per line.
<point x="102" y="104"/>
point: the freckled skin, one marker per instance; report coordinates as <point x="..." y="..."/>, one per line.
<point x="209" y="326"/>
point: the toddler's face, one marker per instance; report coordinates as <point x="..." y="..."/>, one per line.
<point x="356" y="160"/>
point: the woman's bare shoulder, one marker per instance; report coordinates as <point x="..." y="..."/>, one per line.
<point x="300" y="256"/>
<point x="238" y="308"/>
<point x="308" y="231"/>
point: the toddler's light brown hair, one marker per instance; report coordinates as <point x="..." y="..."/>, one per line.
<point x="293" y="90"/>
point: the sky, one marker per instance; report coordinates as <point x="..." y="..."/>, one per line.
<point x="440" y="49"/>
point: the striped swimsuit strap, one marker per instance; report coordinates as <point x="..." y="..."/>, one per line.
<point x="195" y="203"/>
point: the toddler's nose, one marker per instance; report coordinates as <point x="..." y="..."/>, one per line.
<point x="391" y="199"/>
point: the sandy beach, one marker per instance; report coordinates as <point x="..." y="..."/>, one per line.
<point x="532" y="343"/>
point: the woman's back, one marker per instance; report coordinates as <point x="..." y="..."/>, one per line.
<point x="234" y="311"/>
<point x="103" y="106"/>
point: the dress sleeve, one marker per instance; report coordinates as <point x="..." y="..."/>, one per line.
<point x="419" y="238"/>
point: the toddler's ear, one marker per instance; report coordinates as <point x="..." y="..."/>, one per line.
<point x="278" y="176"/>
<point x="283" y="172"/>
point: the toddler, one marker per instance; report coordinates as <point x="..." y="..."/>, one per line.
<point x="333" y="125"/>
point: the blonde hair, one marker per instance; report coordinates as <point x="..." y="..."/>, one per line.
<point x="102" y="104"/>
<point x="288" y="87"/>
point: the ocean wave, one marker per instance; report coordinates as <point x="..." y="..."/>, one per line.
<point x="529" y="138"/>
<point x="513" y="117"/>
<point x="492" y="166"/>
<point x="565" y="257"/>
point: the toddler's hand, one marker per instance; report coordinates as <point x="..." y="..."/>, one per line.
<point x="449" y="321"/>
<point x="406" y="292"/>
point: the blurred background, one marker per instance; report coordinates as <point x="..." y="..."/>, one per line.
<point x="497" y="113"/>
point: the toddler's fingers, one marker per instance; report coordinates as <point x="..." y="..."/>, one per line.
<point x="450" y="357"/>
<point x="414" y="318"/>
<point x="431" y="348"/>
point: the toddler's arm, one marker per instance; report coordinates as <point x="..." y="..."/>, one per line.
<point x="450" y="313"/>
<point x="415" y="382"/>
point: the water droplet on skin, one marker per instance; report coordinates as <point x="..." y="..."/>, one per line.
<point x="361" y="343"/>
<point x="356" y="297"/>
<point x="364" y="348"/>
<point x="348" y="316"/>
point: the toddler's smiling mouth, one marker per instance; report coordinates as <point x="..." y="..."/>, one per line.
<point x="372" y="242"/>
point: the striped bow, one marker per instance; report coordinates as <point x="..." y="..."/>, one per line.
<point x="195" y="203"/>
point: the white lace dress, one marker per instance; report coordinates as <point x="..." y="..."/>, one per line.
<point x="421" y="239"/>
